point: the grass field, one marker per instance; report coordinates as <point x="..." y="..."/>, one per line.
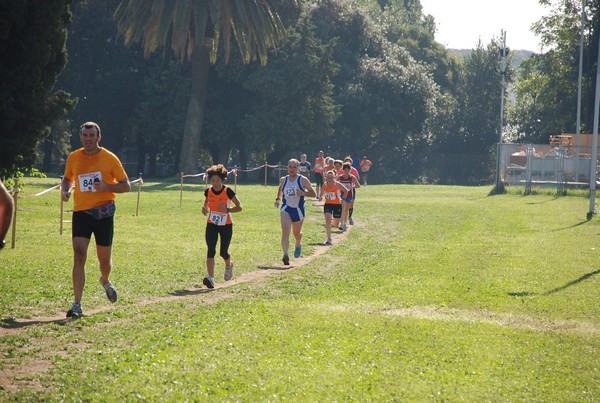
<point x="438" y="293"/>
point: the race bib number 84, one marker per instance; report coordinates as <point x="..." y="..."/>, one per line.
<point x="86" y="181"/>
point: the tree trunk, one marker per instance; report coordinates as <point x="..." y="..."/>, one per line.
<point x="48" y="145"/>
<point x="190" y="147"/>
<point x="223" y="154"/>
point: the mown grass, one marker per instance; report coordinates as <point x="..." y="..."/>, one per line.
<point x="437" y="293"/>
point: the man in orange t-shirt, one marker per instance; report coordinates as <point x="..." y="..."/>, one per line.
<point x="319" y="174"/>
<point x="97" y="174"/>
<point x="365" y="165"/>
<point x="7" y="208"/>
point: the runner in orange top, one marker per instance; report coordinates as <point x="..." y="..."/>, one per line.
<point x="329" y="166"/>
<point x="351" y="183"/>
<point x="217" y="201"/>
<point x="353" y="172"/>
<point x="319" y="174"/>
<point x="7" y="208"/>
<point x="332" y="189"/>
<point x="97" y="175"/>
<point x="365" y="165"/>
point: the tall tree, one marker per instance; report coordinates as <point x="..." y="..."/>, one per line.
<point x="386" y="97"/>
<point x="193" y="29"/>
<point x="106" y="78"/>
<point x="160" y="115"/>
<point x="478" y="114"/>
<point x="33" y="54"/>
<point x="557" y="69"/>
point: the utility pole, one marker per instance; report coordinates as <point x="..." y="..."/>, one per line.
<point x="594" y="159"/>
<point x="578" y="126"/>
<point x="499" y="185"/>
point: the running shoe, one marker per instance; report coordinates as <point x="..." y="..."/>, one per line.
<point x="298" y="251"/>
<point x="75" y="312"/>
<point x="286" y="260"/>
<point x="111" y="293"/>
<point x="228" y="272"/>
<point x="343" y="227"/>
<point x="350" y="221"/>
<point x="329" y="241"/>
<point x="209" y="282"/>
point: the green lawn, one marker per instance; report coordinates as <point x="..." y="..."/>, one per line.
<point x="438" y="293"/>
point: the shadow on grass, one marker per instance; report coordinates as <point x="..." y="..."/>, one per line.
<point x="571" y="226"/>
<point x="9" y="323"/>
<point x="185" y="293"/>
<point x="278" y="268"/>
<point x="557" y="289"/>
<point x="543" y="201"/>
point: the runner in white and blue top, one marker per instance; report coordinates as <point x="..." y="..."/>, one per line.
<point x="293" y="188"/>
<point x="292" y="203"/>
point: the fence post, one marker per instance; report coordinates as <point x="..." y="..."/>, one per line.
<point x="528" y="173"/>
<point x="180" y="188"/>
<point x="235" y="178"/>
<point x="266" y="173"/>
<point x="62" y="208"/>
<point x="137" y="209"/>
<point x="14" y="215"/>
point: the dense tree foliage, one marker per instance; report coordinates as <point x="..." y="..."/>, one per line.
<point x="284" y="105"/>
<point x="104" y="76"/>
<point x="33" y="53"/>
<point x="193" y="31"/>
<point x="350" y="77"/>
<point x="546" y="92"/>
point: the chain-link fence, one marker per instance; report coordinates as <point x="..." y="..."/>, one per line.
<point x="546" y="165"/>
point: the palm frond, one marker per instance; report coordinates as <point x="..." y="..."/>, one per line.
<point x="182" y="24"/>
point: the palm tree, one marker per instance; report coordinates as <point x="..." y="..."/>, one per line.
<point x="193" y="29"/>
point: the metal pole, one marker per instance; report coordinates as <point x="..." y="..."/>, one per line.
<point x="594" y="162"/>
<point x="499" y="148"/>
<point x="577" y="128"/>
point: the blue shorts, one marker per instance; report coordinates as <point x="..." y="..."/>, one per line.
<point x="348" y="200"/>
<point x="319" y="178"/>
<point x="295" y="213"/>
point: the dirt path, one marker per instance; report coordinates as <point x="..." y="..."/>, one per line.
<point x="17" y="326"/>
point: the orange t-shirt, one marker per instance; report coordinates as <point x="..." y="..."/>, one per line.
<point x="319" y="165"/>
<point x="84" y="170"/>
<point x="365" y="165"/>
<point x="331" y="194"/>
<point x="215" y="201"/>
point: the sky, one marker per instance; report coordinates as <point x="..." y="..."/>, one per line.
<point x="461" y="23"/>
